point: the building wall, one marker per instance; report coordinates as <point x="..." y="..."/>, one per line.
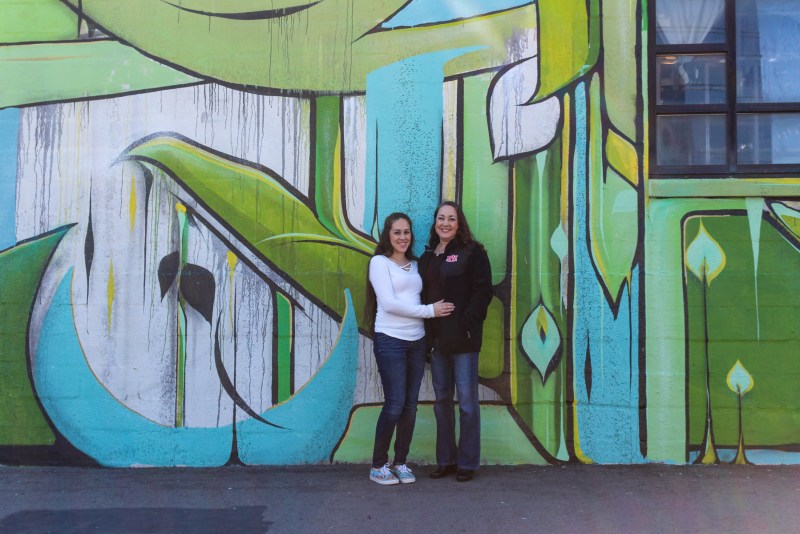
<point x="189" y="199"/>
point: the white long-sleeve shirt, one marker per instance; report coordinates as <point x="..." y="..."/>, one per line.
<point x="399" y="310"/>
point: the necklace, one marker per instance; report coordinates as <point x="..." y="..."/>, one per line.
<point x="406" y="267"/>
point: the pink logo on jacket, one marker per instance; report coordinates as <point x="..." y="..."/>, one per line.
<point x="452" y="259"/>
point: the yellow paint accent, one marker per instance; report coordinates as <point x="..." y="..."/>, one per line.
<point x="180" y="208"/>
<point x="514" y="333"/>
<point x="132" y="204"/>
<point x="566" y="164"/>
<point x="541" y="321"/>
<point x="705" y="275"/>
<point x="233" y="260"/>
<point x="621" y="155"/>
<point x="576" y="439"/>
<point x="450" y="148"/>
<point x="745" y="371"/>
<point x="110" y="291"/>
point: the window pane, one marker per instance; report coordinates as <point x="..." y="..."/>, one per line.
<point x="768" y="50"/>
<point x="690" y="140"/>
<point x="698" y="79"/>
<point x="768" y="138"/>
<point x="690" y="21"/>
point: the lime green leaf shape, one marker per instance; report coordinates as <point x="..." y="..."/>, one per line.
<point x="569" y="42"/>
<point x="50" y="72"/>
<point x="739" y="380"/>
<point x="325" y="46"/>
<point x="328" y="173"/>
<point x="541" y="341"/>
<point x="613" y="210"/>
<point x="22" y="267"/>
<point x="705" y="257"/>
<point x="267" y="216"/>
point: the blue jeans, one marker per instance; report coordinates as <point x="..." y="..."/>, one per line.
<point x="401" y="365"/>
<point x="450" y="373"/>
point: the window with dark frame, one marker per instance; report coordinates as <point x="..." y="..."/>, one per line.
<point x="725" y="87"/>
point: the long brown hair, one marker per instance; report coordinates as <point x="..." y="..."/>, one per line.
<point x="384" y="248"/>
<point x="463" y="235"/>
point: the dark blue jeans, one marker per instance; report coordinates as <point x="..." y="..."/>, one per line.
<point x="451" y="373"/>
<point x="401" y="365"/>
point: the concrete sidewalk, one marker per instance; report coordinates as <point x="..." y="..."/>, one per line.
<point x="341" y="498"/>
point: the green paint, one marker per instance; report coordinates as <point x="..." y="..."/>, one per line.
<point x="268" y="218"/>
<point x="328" y="175"/>
<point x="327" y="47"/>
<point x="537" y="212"/>
<point x="25" y="21"/>
<point x="484" y="191"/>
<point x="285" y="322"/>
<point x="771" y="410"/>
<point x="40" y="73"/>
<point x="665" y="335"/>
<point x="569" y="42"/>
<point x="492" y="358"/>
<point x="502" y="442"/>
<point x="327" y="196"/>
<point x="180" y="363"/>
<point x="724" y="187"/>
<point x="620" y="74"/>
<point x="21" y="269"/>
<point x="613" y="208"/>
<point x="180" y="367"/>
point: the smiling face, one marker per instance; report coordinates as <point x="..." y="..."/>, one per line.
<point x="446" y="223"/>
<point x="400" y="236"/>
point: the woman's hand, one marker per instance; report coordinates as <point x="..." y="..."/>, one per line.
<point x="442" y="308"/>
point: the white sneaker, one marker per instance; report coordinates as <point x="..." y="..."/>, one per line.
<point x="404" y="474"/>
<point x="383" y="475"/>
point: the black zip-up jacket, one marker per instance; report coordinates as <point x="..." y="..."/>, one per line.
<point x="465" y="276"/>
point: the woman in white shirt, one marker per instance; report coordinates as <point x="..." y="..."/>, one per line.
<point x="393" y="292"/>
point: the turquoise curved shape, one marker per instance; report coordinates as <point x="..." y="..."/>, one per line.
<point x="315" y="417"/>
<point x="423" y="12"/>
<point x="93" y="421"/>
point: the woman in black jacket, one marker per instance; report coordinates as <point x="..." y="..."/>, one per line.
<point x="456" y="268"/>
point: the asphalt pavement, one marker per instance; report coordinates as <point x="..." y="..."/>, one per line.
<point x="341" y="498"/>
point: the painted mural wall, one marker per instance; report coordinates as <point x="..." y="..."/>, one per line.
<point x="190" y="193"/>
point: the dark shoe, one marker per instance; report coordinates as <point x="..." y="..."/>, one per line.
<point x="443" y="470"/>
<point x="464" y="475"/>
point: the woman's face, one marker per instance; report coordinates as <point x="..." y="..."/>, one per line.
<point x="400" y="235"/>
<point x="446" y="223"/>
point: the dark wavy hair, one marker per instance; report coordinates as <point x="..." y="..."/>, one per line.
<point x="384" y="248"/>
<point x="463" y="236"/>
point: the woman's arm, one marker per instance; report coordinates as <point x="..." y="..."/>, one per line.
<point x="381" y="279"/>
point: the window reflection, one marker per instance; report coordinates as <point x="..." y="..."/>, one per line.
<point x="691" y="140"/>
<point x="768" y="50"/>
<point x="695" y="79"/>
<point x="768" y="138"/>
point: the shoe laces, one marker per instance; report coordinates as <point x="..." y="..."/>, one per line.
<point x="402" y="468"/>
<point x="385" y="471"/>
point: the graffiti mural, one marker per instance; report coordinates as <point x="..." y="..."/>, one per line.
<point x="190" y="193"/>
